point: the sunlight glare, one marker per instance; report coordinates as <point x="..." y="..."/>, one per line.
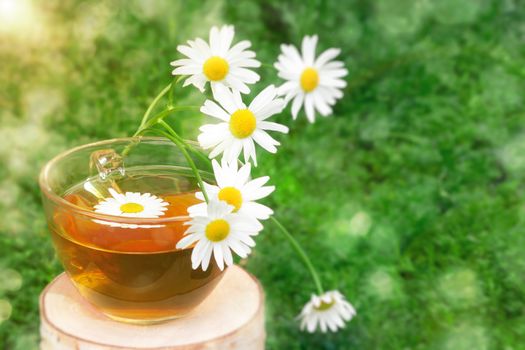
<point x="17" y="17"/>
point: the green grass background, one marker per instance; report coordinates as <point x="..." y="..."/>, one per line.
<point x="410" y="199"/>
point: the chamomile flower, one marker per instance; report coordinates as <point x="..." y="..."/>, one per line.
<point x="315" y="83"/>
<point x="132" y="205"/>
<point x="219" y="231"/>
<point x="235" y="188"/>
<point x="329" y="311"/>
<point x="240" y="125"/>
<point x="218" y="62"/>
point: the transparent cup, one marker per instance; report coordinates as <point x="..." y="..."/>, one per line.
<point x="128" y="268"/>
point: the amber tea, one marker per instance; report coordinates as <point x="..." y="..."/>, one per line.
<point x="133" y="272"/>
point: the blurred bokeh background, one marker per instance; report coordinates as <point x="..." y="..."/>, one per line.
<point x="410" y="198"/>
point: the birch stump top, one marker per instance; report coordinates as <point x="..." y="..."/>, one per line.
<point x="232" y="317"/>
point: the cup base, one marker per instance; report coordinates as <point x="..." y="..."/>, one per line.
<point x="143" y="322"/>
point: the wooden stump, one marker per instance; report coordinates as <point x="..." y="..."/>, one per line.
<point x="232" y="317"/>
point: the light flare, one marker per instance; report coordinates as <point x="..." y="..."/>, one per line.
<point x="17" y="17"/>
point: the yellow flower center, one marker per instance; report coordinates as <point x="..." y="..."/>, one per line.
<point x="217" y="230"/>
<point x="325" y="306"/>
<point x="232" y="196"/>
<point x="215" y="68"/>
<point x="309" y="79"/>
<point x="131" y="208"/>
<point x="242" y="123"/>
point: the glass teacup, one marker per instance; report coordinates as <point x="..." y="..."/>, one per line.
<point x="129" y="268"/>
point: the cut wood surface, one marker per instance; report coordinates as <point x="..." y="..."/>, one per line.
<point x="232" y="317"/>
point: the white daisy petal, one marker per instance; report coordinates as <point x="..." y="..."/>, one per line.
<point x="246" y="223"/>
<point x="272" y="108"/>
<point x="203" y="48"/>
<point x="334" y="73"/>
<point x="207" y="257"/>
<point x="219" y="258"/>
<point x="260" y="193"/>
<point x="248" y="150"/>
<point x="309" y="108"/>
<point x="213" y="110"/>
<point x="238" y="84"/>
<point x="188" y="51"/>
<point x="200" y="248"/>
<point x="336" y="83"/>
<point x="227" y="254"/>
<point x="255" y="184"/>
<point x="247" y="62"/>
<point x="321" y="105"/>
<point x="233" y="152"/>
<point x="197" y="209"/>
<point x="245" y="75"/>
<point x="238" y="48"/>
<point x="257" y="210"/>
<point x="212" y="135"/>
<point x="322" y="324"/>
<point x="308" y="49"/>
<point x="243" y="174"/>
<point x="297" y="103"/>
<point x="186" y="70"/>
<point x="273" y="127"/>
<point x="265" y="141"/>
<point x="333" y="65"/>
<point x="184" y="62"/>
<point x="285" y="88"/>
<point x="240" y="249"/>
<point x="246" y="239"/>
<point x="326" y="56"/>
<point x="198" y="80"/>
<point x="225" y="97"/>
<point x="292" y="53"/>
<point x="196" y="259"/>
<point x="221" y="147"/>
<point x="244" y="56"/>
<point x="226" y="33"/>
<point x="237" y="99"/>
<point x="215" y="41"/>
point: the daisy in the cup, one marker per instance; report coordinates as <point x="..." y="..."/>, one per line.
<point x="235" y="187"/>
<point x="315" y="83"/>
<point x="328" y="311"/>
<point x="218" y="62"/>
<point x="218" y="232"/>
<point x="241" y="126"/>
<point x="132" y="205"/>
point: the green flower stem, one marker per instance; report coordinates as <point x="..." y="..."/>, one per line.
<point x="267" y="66"/>
<point x="187" y="145"/>
<point x="153" y="104"/>
<point x="299" y="250"/>
<point x="172" y="89"/>
<point x="150" y="122"/>
<point x="182" y="146"/>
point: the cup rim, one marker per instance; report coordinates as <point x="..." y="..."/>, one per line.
<point x="78" y="210"/>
